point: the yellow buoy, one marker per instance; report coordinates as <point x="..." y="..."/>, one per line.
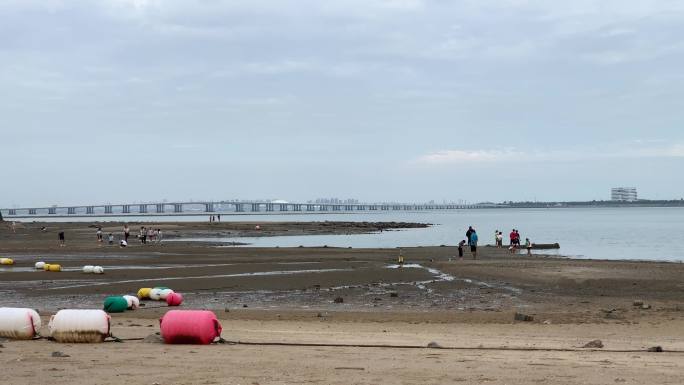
<point x="144" y="293"/>
<point x="46" y="267"/>
<point x="54" y="268"/>
<point x="6" y="261"/>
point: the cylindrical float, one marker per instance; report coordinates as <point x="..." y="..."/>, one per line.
<point x="79" y="326"/>
<point x="164" y="293"/>
<point x="115" y="304"/>
<point x="88" y="269"/>
<point x="6" y="261"/>
<point x="155" y="294"/>
<point x="19" y="323"/>
<point x="40" y="265"/>
<point x="198" y="327"/>
<point x="174" y="299"/>
<point x="144" y="293"/>
<point x="54" y="267"/>
<point x="133" y="301"/>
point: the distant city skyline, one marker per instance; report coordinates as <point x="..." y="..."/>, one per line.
<point x="408" y="100"/>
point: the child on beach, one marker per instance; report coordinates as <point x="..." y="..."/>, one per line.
<point x="60" y="236"/>
<point x="460" y="249"/>
<point x="528" y="246"/>
<point x="99" y="234"/>
<point x="110" y="238"/>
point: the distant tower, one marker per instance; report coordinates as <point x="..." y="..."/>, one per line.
<point x="623" y="194"/>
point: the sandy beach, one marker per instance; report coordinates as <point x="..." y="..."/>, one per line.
<point x="284" y="305"/>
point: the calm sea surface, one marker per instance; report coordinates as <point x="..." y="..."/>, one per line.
<point x="599" y="233"/>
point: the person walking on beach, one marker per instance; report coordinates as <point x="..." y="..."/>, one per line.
<point x="13" y="226"/>
<point x="99" y="234"/>
<point x="60" y="236"/>
<point x="219" y="217"/>
<point x="528" y="246"/>
<point x="499" y="239"/>
<point x="460" y="249"/>
<point x="110" y="238"/>
<point x="517" y="238"/>
<point x="473" y="244"/>
<point x="127" y="232"/>
<point x="511" y="236"/>
<point x="143" y="235"/>
<point x="159" y="235"/>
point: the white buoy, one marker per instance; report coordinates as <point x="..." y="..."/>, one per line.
<point x="133" y="301"/>
<point x="40" y="265"/>
<point x="88" y="269"/>
<point x="19" y="323"/>
<point x="155" y="294"/>
<point x="77" y="325"/>
<point x="164" y="293"/>
<point x="98" y="270"/>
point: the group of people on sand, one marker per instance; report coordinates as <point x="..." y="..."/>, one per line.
<point x="472" y="240"/>
<point x="514" y="241"/>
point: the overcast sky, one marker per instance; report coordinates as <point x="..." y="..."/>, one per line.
<point x="405" y="100"/>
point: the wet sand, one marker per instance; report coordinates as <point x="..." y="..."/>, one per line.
<point x="288" y="295"/>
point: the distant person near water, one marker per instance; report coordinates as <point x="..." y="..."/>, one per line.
<point x="127" y="232"/>
<point x="460" y="249"/>
<point x="219" y="217"/>
<point x="499" y="239"/>
<point x="528" y="246"/>
<point x="62" y="241"/>
<point x="159" y="235"/>
<point x="469" y="233"/>
<point x="473" y="244"/>
<point x="143" y="235"/>
<point x="99" y="234"/>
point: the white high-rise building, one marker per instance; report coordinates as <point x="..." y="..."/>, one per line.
<point x="623" y="194"/>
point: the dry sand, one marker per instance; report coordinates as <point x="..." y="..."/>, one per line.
<point x="572" y="302"/>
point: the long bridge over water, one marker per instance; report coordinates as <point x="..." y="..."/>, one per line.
<point x="219" y="207"/>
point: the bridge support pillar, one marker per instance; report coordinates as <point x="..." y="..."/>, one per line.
<point x="283" y="207"/>
<point x="142" y="209"/>
<point x="90" y="210"/>
<point x="177" y="208"/>
<point x="256" y="207"/>
<point x="12" y="212"/>
<point x="323" y="208"/>
<point x="71" y="210"/>
<point x="108" y="209"/>
<point x="209" y="207"/>
<point x="239" y="207"/>
<point x="297" y="207"/>
<point x="52" y="211"/>
<point x="32" y="211"/>
<point x="269" y="206"/>
<point x="310" y="207"/>
<point x="160" y="208"/>
<point x="126" y="209"/>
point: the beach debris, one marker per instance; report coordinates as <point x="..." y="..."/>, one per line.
<point x="40" y="265"/>
<point x="226" y="310"/>
<point x="655" y="349"/>
<point x="645" y="306"/>
<point x="60" y="354"/>
<point x="153" y="338"/>
<point x="394" y="294"/>
<point x="638" y="303"/>
<point x="594" y="344"/>
<point x="338" y="300"/>
<point x="321" y="315"/>
<point x="244" y="305"/>
<point x="523" y="317"/>
<point x="547" y="322"/>
<point x="434" y="345"/>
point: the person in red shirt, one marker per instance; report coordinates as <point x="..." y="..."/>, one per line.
<point x="512" y="236"/>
